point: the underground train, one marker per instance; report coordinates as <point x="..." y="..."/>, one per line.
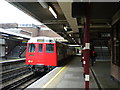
<point x="45" y="53"/>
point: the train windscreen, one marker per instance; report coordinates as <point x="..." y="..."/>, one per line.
<point x="50" y="48"/>
<point x="31" y="48"/>
<point x="40" y="47"/>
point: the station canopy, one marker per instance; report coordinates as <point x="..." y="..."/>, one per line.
<point x="102" y="16"/>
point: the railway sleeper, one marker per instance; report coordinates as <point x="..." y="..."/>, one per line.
<point x="13" y="76"/>
<point x="16" y="82"/>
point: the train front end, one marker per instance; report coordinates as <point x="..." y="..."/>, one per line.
<point x="41" y="53"/>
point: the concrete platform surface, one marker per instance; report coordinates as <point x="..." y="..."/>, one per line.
<point x="66" y="77"/>
<point x="102" y="70"/>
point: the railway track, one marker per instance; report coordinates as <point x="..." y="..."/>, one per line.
<point x="22" y="82"/>
<point x="12" y="64"/>
<point x="12" y="71"/>
<point x="30" y="81"/>
<point x="16" y="75"/>
<point x="10" y="85"/>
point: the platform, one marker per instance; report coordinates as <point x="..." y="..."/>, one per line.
<point x="12" y="60"/>
<point x="69" y="76"/>
<point x="102" y="72"/>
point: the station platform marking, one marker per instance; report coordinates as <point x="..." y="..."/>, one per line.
<point x="54" y="77"/>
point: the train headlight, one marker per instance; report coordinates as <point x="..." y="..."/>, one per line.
<point x="30" y="61"/>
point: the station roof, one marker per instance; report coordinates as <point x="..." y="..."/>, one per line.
<point x="12" y="35"/>
<point x="103" y="16"/>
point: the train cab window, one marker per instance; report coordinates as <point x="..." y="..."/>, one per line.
<point x="31" y="48"/>
<point x="50" y="48"/>
<point x="40" y="47"/>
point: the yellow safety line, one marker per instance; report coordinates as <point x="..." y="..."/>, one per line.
<point x="54" y="77"/>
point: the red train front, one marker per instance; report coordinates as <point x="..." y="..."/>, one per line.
<point x="41" y="51"/>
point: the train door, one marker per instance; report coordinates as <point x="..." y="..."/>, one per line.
<point x="50" y="54"/>
<point x="40" y="53"/>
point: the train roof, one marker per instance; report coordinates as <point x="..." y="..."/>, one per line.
<point x="41" y="40"/>
<point x="44" y="39"/>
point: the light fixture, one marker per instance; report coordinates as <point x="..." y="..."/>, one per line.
<point x="52" y="11"/>
<point x="20" y="38"/>
<point x="43" y="4"/>
<point x="4" y="34"/>
<point x="65" y="28"/>
<point x="74" y="41"/>
<point x="70" y="35"/>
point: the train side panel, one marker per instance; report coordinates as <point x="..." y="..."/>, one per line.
<point x="61" y="51"/>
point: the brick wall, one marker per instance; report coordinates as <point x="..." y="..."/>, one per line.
<point x="35" y="32"/>
<point x="8" y="25"/>
<point x="48" y="33"/>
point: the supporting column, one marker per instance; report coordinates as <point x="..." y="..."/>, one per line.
<point x="87" y="48"/>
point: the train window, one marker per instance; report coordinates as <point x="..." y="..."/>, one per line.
<point x="31" y="48"/>
<point x="40" y="47"/>
<point x="50" y="48"/>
